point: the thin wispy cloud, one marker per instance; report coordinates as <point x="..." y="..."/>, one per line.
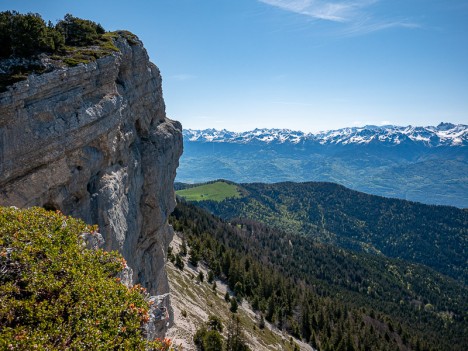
<point x="356" y="17"/>
<point x="337" y="11"/>
<point x="368" y="26"/>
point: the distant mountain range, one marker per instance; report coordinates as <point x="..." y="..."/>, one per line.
<point x="425" y="164"/>
<point x="445" y="134"/>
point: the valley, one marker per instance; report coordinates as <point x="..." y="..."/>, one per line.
<point x="424" y="164"/>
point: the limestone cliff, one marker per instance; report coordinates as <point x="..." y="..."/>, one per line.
<point x="94" y="142"/>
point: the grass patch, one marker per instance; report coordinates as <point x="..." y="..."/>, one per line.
<point x="104" y="46"/>
<point x="217" y="191"/>
<point x="71" y="56"/>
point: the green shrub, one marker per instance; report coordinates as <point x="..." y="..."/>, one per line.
<point x="214" y="323"/>
<point x="208" y="337"/>
<point x="212" y="341"/>
<point x="55" y="294"/>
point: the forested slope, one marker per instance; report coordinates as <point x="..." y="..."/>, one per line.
<point x="435" y="236"/>
<point x="333" y="298"/>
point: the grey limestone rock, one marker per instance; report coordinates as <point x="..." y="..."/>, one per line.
<point x="93" y="141"/>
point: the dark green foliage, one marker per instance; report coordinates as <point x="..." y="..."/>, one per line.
<point x="194" y="256"/>
<point x="432" y="235"/>
<point x="178" y="262"/>
<point x="170" y="254"/>
<point x="72" y="41"/>
<point x="235" y="338"/>
<point x="79" y="32"/>
<point x="199" y="336"/>
<point x="210" y="277"/>
<point x="214" y="323"/>
<point x="325" y="294"/>
<point x="238" y="289"/>
<point x="234" y="306"/>
<point x="201" y="277"/>
<point x="183" y="248"/>
<point x="26" y="35"/>
<point x="261" y="323"/>
<point x="208" y="337"/>
<point x="57" y="295"/>
<point x="212" y="341"/>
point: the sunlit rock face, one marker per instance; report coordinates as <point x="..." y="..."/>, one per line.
<point x="93" y="141"/>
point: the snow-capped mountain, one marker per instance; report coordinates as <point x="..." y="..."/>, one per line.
<point x="426" y="164"/>
<point x="445" y="134"/>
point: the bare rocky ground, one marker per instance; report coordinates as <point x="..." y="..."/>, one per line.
<point x="192" y="303"/>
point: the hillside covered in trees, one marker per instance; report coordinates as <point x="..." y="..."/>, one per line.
<point x="333" y="298"/>
<point x="435" y="236"/>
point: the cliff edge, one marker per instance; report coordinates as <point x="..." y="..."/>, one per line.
<point x="94" y="142"/>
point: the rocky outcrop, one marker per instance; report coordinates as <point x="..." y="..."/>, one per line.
<point x="93" y="141"/>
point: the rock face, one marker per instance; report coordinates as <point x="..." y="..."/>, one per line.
<point x="94" y="142"/>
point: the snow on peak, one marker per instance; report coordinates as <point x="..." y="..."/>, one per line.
<point x="445" y="134"/>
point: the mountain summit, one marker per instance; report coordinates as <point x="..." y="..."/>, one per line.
<point x="445" y="134"/>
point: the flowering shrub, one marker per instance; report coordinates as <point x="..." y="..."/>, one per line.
<point x="161" y="344"/>
<point x="56" y="295"/>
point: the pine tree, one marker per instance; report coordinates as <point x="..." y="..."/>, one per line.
<point x="234" y="306"/>
<point x="183" y="248"/>
<point x="261" y="323"/>
<point x="178" y="262"/>
<point x="201" y="277"/>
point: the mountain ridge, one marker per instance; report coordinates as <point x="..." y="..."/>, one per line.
<point x="445" y="134"/>
<point x="423" y="164"/>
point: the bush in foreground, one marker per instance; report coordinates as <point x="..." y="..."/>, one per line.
<point x="56" y="294"/>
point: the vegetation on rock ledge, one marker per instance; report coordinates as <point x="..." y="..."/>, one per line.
<point x="24" y="37"/>
<point x="55" y="294"/>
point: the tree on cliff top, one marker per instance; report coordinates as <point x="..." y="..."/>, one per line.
<point x="79" y="32"/>
<point x="24" y="35"/>
<point x="56" y="294"/>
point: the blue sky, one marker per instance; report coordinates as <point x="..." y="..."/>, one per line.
<point x="300" y="64"/>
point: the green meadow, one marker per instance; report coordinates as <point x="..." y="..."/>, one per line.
<point x="217" y="191"/>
